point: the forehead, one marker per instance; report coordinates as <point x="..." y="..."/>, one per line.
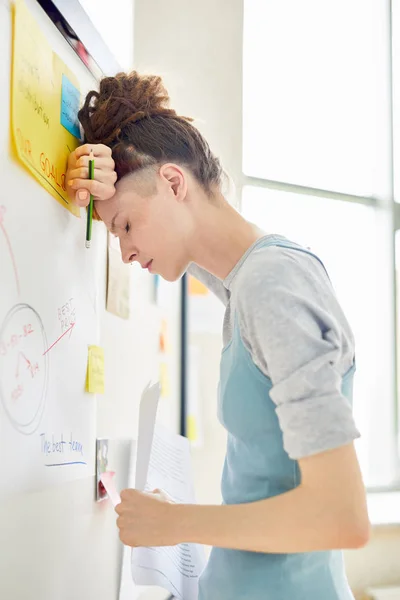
<point x="106" y="209"/>
<point x="125" y="201"/>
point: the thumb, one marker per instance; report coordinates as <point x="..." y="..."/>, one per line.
<point x="163" y="495"/>
<point x="82" y="197"/>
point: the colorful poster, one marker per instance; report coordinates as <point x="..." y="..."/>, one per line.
<point x="45" y="100"/>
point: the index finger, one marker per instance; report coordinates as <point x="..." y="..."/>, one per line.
<point x="127" y="494"/>
<point x="98" y="150"/>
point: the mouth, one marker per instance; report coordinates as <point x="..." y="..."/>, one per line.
<point x="148" y="265"/>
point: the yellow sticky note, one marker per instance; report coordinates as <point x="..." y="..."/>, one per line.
<point x="164" y="344"/>
<point x="44" y="104"/>
<point x="191" y="428"/>
<point x="95" y="371"/>
<point x="196" y="288"/>
<point x="164" y="380"/>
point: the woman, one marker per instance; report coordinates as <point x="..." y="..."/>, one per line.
<point x="292" y="491"/>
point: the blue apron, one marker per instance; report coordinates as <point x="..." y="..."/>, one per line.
<point x="257" y="467"/>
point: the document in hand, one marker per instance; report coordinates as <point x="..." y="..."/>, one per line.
<point x="163" y="461"/>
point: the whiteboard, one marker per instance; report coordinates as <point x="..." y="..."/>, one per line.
<point x="48" y="317"/>
<point x="58" y="542"/>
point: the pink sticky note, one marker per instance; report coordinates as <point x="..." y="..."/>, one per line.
<point x="107" y="480"/>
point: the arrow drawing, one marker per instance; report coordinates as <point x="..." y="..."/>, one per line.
<point x="58" y="339"/>
<point x="30" y="366"/>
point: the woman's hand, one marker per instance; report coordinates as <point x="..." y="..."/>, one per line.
<point x="79" y="186"/>
<point x="147" y="519"/>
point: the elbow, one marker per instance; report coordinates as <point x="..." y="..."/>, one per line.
<point x="360" y="536"/>
<point x="356" y="532"/>
<point x="347" y="525"/>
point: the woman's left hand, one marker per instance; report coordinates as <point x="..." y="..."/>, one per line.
<point x="146" y="519"/>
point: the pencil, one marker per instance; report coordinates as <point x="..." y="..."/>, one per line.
<point x="90" y="205"/>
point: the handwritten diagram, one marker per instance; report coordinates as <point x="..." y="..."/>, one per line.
<point x="23" y="364"/>
<point x="48" y="280"/>
<point x="41" y="404"/>
<point x="23" y="368"/>
<point x="47" y="320"/>
<point x="50" y="433"/>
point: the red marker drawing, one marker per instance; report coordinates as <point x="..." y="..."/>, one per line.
<point x="33" y="368"/>
<point x="58" y="339"/>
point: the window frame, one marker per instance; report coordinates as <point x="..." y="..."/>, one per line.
<point x="387" y="205"/>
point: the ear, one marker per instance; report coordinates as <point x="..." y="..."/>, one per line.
<point x="176" y="179"/>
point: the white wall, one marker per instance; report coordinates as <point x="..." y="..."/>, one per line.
<point x="57" y="543"/>
<point x="197" y="48"/>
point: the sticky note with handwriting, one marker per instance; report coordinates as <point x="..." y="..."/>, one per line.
<point x="70" y="99"/>
<point x="107" y="480"/>
<point x="95" y="370"/>
<point x="42" y="88"/>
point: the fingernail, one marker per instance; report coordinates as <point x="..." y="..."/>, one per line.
<point x="82" y="194"/>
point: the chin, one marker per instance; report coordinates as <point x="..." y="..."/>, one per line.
<point x="170" y="278"/>
<point x="173" y="274"/>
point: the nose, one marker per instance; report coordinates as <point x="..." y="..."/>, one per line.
<point x="128" y="256"/>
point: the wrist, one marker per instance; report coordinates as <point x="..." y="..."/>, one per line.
<point x="185" y="522"/>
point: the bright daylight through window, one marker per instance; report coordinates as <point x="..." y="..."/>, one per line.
<point x="318" y="168"/>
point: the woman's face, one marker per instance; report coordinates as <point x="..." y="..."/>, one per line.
<point x="152" y="222"/>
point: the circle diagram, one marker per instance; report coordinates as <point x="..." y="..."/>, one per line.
<point x="23" y="368"/>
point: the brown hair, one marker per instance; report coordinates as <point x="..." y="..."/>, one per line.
<point x="131" y="115"/>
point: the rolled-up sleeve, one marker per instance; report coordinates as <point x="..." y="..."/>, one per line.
<point x="298" y="336"/>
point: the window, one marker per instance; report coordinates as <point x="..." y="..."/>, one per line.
<point x="315" y="89"/>
<point x="318" y="164"/>
<point x="115" y="27"/>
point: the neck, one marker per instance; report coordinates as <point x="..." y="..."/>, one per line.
<point x="221" y="238"/>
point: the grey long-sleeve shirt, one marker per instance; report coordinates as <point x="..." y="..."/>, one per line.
<point x="297" y="334"/>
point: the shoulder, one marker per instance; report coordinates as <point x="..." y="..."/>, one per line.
<point x="274" y="270"/>
<point x="287" y="309"/>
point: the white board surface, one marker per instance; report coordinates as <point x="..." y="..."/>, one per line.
<point x="57" y="543"/>
<point x="48" y="317"/>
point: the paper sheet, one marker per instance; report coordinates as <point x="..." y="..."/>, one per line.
<point x="163" y="461"/>
<point x="107" y="480"/>
<point x="127" y="589"/>
<point x="176" y="568"/>
<point x="95" y="370"/>
<point x="45" y="102"/>
<point x="138" y="476"/>
<point x="118" y="280"/>
<point x="147" y="419"/>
